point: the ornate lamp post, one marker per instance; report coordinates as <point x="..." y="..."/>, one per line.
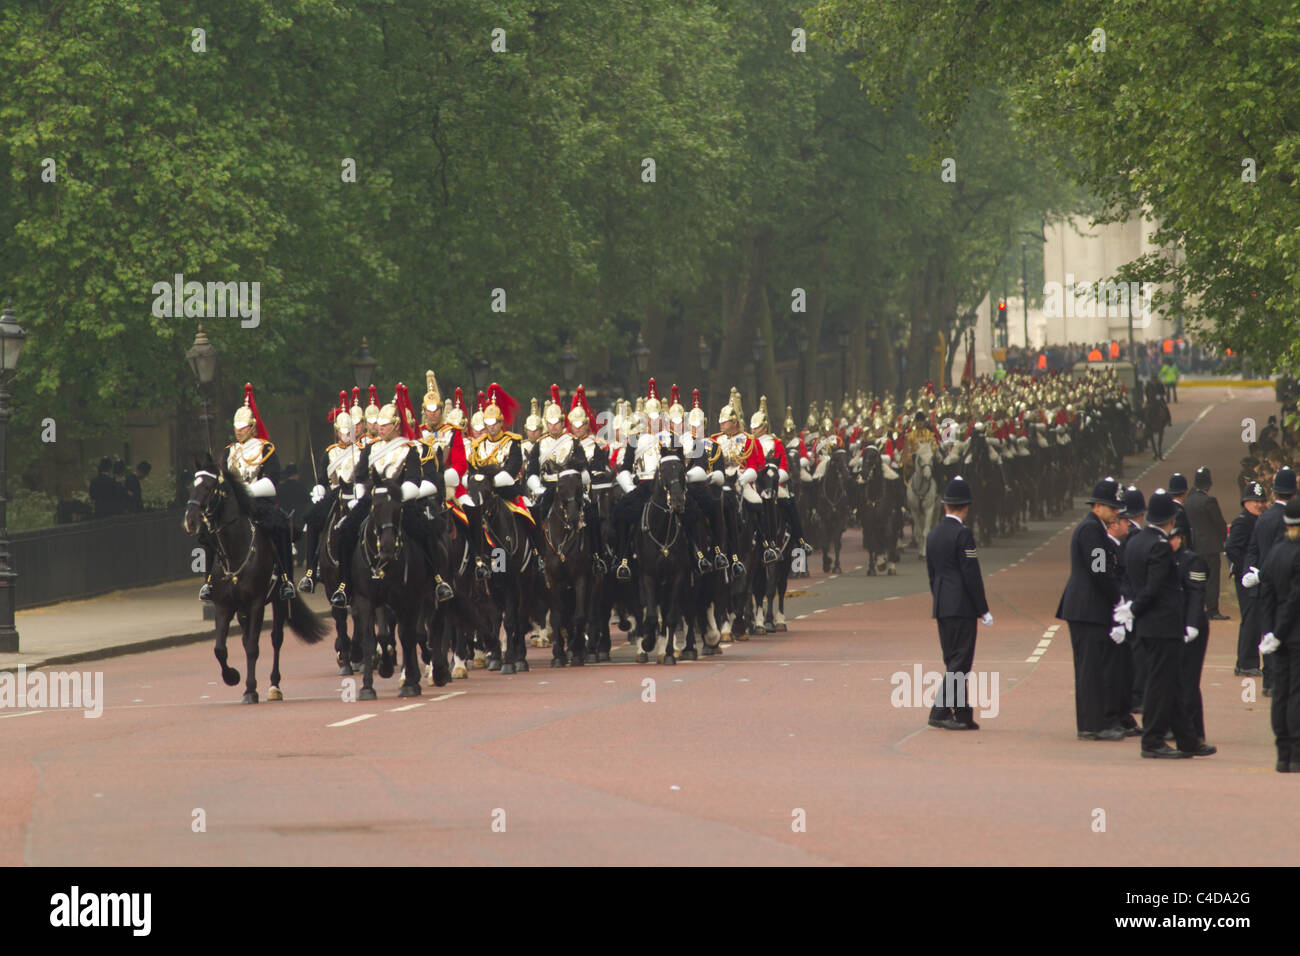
<point x="363" y="367"/>
<point x="568" y="364"/>
<point x="704" y="352"/>
<point x="842" y="338"/>
<point x="478" y="368"/>
<point x="12" y="338"/>
<point x="202" y="359"/>
<point x="802" y="343"/>
<point x="759" y="350"/>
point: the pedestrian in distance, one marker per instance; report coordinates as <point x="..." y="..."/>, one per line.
<point x="957" y="591"/>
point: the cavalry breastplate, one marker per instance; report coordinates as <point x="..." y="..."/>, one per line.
<point x="245" y="459"/>
<point x="732" y="448"/>
<point x="589" y="446"/>
<point x="553" y="453"/>
<point x="648" y="454"/>
<point x="489" y="451"/>
<point x="342" y="462"/>
<point x="388" y="457"/>
<point x="768" y="442"/>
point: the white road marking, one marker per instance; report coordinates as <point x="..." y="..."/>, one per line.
<point x="27" y="713"/>
<point x="394" y="710"/>
<point x="1031" y="660"/>
<point x="1054" y="627"/>
<point x="350" y="720"/>
<point x="455" y="693"/>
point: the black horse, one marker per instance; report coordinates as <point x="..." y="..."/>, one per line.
<point x="771" y="580"/>
<point x="1156" y="418"/>
<point x="347" y="649"/>
<point x="513" y="587"/>
<point x="567" y="558"/>
<point x="878" y="538"/>
<point x="662" y="559"/>
<point x="219" y="511"/>
<point x="834" y="502"/>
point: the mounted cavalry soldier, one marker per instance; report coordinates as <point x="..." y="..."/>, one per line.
<point x="581" y="419"/>
<point x="774" y="451"/>
<point x="393" y="455"/>
<point x="739" y="458"/>
<point x="532" y="429"/>
<point x="252" y="459"/>
<point x="698" y="451"/>
<point x="372" y="418"/>
<point x="638" y="468"/>
<point x="559" y="451"/>
<point x="337" y="465"/>
<point x="496" y="454"/>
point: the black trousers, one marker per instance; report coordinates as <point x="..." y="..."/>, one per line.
<point x="1213" y="563"/>
<point x="1248" y="631"/>
<point x="1090" y="700"/>
<point x="1138" y="649"/>
<point x="1117" y="682"/>
<point x="1164" y="711"/>
<point x="957" y="642"/>
<point x="1191" y="661"/>
<point x="1286" y="700"/>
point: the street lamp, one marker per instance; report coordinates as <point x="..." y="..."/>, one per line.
<point x="202" y="359"/>
<point x="12" y="338"/>
<point x="478" y="365"/>
<point x="704" y="352"/>
<point x="363" y="367"/>
<point x="641" y="356"/>
<point x="801" y="341"/>
<point x="759" y="350"/>
<point x="842" y="339"/>
<point x="568" y="363"/>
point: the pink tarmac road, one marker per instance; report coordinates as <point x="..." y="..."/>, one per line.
<point x="574" y="766"/>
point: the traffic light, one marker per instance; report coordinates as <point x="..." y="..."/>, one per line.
<point x="1002" y="313"/>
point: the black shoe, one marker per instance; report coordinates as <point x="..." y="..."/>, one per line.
<point x="481" y="570"/>
<point x="1202" y="750"/>
<point x="770" y="556"/>
<point x="1086" y="735"/>
<point x="1268" y="692"/>
<point x="1293" y="768"/>
<point x="442" y="592"/>
<point x="737" y="565"/>
<point x="1247" y="672"/>
<point x="703" y="563"/>
<point x="1112" y="733"/>
<point x="624" y="573"/>
<point x="306" y="585"/>
<point x="1284" y="767"/>
<point x="205" y="592"/>
<point x="339" y="598"/>
<point x="1219" y="617"/>
<point x="1167" y="753"/>
<point x="934" y="722"/>
<point x="1133" y="731"/>
<point x="719" y="560"/>
<point x="959" y="725"/>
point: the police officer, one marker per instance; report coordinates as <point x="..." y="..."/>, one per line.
<point x="1192" y="577"/>
<point x="1268" y="529"/>
<point x="1281" y="642"/>
<point x="1210" y="530"/>
<point x="957" y="587"/>
<point x="1239" y="535"/>
<point x="1178" y="491"/>
<point x="1135" y="507"/>
<point x="1156" y="614"/>
<point x="1088" y="604"/>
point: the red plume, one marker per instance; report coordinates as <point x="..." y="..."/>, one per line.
<point x="652" y="391"/>
<point x="482" y="402"/>
<point x="374" y="396"/>
<point x="332" y="415"/>
<point x="343" y="401"/>
<point x="458" y="400"/>
<point x="252" y="406"/>
<point x="555" y="396"/>
<point x="695" y="398"/>
<point x="580" y="401"/>
<point x="673" y="397"/>
<point x="504" y="402"/>
<point x="410" y="419"/>
<point x="356" y="395"/>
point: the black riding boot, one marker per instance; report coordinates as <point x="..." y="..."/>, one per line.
<point x="347" y="543"/>
<point x="205" y="592"/>
<point x="308" y="582"/>
<point x="732" y="520"/>
<point x="592" y="518"/>
<point x="796" y="528"/>
<point x="760" y="520"/>
<point x="482" y="570"/>
<point x="622" y="532"/>
<point x="284" y="562"/>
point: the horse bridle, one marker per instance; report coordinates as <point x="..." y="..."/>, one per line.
<point x="214" y="530"/>
<point x="569" y="530"/>
<point x="674" y="525"/>
<point x="377" y="570"/>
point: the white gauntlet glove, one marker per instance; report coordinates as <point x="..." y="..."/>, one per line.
<point x="625" y="482"/>
<point x="317" y="493"/>
<point x="1117" y="633"/>
<point x="987" y="619"/>
<point x="502" y="479"/>
<point x="1123" y="614"/>
<point x="535" y="484"/>
<point x="1190" y="634"/>
<point x="1251" y="578"/>
<point x="1269" y="644"/>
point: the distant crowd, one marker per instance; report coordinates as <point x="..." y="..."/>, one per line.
<point x="1185" y="355"/>
<point x="115" y="491"/>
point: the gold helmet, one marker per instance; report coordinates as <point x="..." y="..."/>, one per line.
<point x="676" y="413"/>
<point x="372" y="410"/>
<point x="731" y="411"/>
<point x="446" y="409"/>
<point x="455" y="414"/>
<point x="356" y="412"/>
<point x="636" y="423"/>
<point x="618" y="424"/>
<point x="579" y="410"/>
<point x="789" y="427"/>
<point x="342" y="420"/>
<point x="759" y="419"/>
<point x="652" y="406"/>
<point x="553" y="412"/>
<point x="388" y="414"/>
<point x="533" y="423"/>
<point x="432" y="397"/>
<point x="828" y="427"/>
<point x="696" y="418"/>
<point x="811" y="421"/>
<point x="846" y="409"/>
<point x="246" y="416"/>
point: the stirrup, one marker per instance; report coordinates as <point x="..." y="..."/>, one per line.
<point x="737" y="565"/>
<point x="287" y="590"/>
<point x="598" y="564"/>
<point x="770" y="555"/>
<point x="205" y="592"/>
<point x="339" y="598"/>
<point x="307" y="585"/>
<point x="719" y="561"/>
<point x="703" y="563"/>
<point x="443" y="590"/>
<point x="624" y="573"/>
<point x="481" y="570"/>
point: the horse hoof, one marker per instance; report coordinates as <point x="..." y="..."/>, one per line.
<point x="230" y="676"/>
<point x="441" y="680"/>
<point x="345" y="669"/>
<point x="495" y="665"/>
<point x="668" y="659"/>
<point x="739" y="636"/>
<point x="250" y="697"/>
<point x="459" y="673"/>
<point x="690" y="654"/>
<point x="624" y="624"/>
<point x="781" y="627"/>
<point x="367" y="693"/>
<point x="507" y="668"/>
<point x="642" y="658"/>
<point x="602" y="657"/>
<point x="479" y="663"/>
<point x="837" y="569"/>
<point x="386" y="668"/>
<point x="708" y="651"/>
<point x="578" y="662"/>
<point x="522" y="666"/>
<point x="409" y="691"/>
<point x="275" y="694"/>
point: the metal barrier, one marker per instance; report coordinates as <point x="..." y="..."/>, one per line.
<point x="86" y="558"/>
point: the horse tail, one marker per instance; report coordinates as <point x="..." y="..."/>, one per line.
<point x="304" y="622"/>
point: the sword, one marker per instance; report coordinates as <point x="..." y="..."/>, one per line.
<point x="312" y="451"/>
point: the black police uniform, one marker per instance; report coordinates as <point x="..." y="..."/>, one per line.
<point x="1158" y="612"/>
<point x="1087" y="606"/>
<point x="1193" y="576"/>
<point x="1239" y="535"/>
<point x="957" y="589"/>
<point x="1210" y="531"/>
<point x="1279" y="614"/>
<point x="1268" y="529"/>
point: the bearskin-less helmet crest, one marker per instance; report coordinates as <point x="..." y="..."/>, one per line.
<point x="372" y="410"/>
<point x="533" y="422"/>
<point x="432" y="397"/>
<point x="731" y="411"/>
<point x="676" y="413"/>
<point x="554" y="411"/>
<point x="247" y="416"/>
<point x="455" y="415"/>
<point x="759" y="420"/>
<point x="696" y="417"/>
<point x="652" y="406"/>
<point x="789" y="427"/>
<point x="343" y="424"/>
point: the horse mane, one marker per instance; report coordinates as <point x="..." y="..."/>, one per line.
<point x="237" y="490"/>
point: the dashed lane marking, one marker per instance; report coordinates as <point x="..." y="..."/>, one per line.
<point x="394" y="710"/>
<point x="27" y="713"/>
<point x="351" y="720"/>
<point x="454" y="693"/>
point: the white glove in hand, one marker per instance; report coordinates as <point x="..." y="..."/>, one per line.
<point x="1118" y="633"/>
<point x="1123" y="614"/>
<point x="352" y="504"/>
<point x="317" y="493"/>
<point x="1251" y="578"/>
<point x="1269" y="644"/>
<point x="535" y="484"/>
<point x="1190" y="634"/>
<point x="987" y="618"/>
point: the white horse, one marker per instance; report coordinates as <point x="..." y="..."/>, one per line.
<point x="922" y="493"/>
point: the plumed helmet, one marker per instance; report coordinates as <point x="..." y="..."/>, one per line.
<point x="580" y="412"/>
<point x="676" y="413"/>
<point x="652" y="404"/>
<point x="696" y="417"/>
<point x="534" y="421"/>
<point x="789" y="427"/>
<point x="372" y="410"/>
<point x="501" y="407"/>
<point x="731" y="411"/>
<point x="356" y="411"/>
<point x="553" y="412"/>
<point x="635" y="422"/>
<point x="246" y="416"/>
<point x="759" y="418"/>
<point x="456" y="414"/>
<point x="432" y="397"/>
